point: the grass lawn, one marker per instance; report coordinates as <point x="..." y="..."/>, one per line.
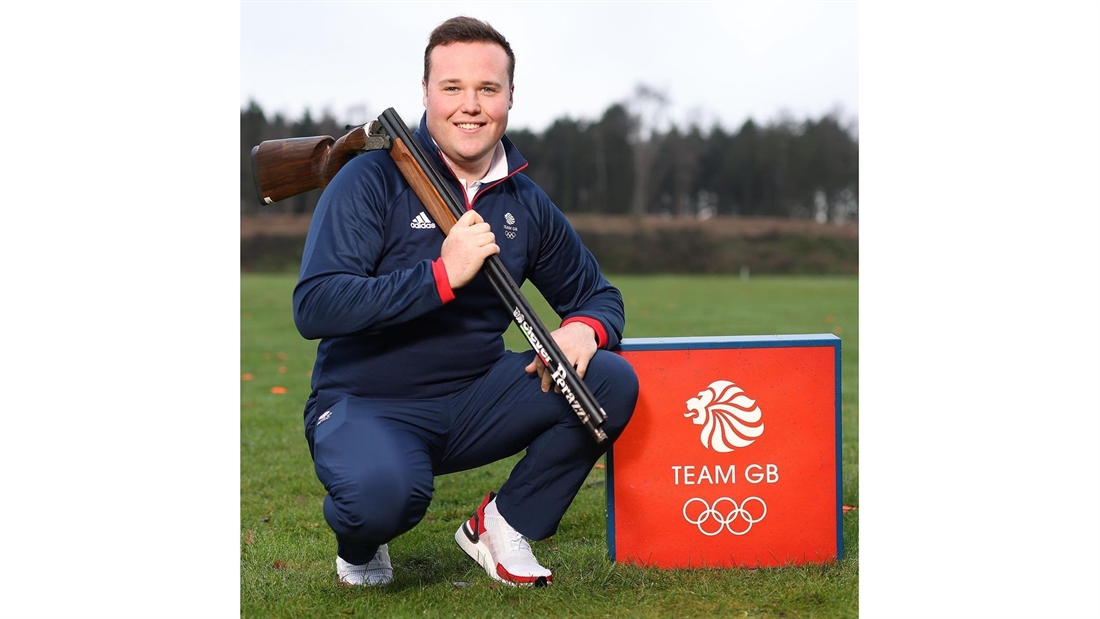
<point x="288" y="551"/>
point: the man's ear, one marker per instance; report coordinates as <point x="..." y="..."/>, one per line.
<point x="424" y="85"/>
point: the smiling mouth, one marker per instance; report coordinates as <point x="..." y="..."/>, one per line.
<point x="469" y="126"/>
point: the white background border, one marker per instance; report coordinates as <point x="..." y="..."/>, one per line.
<point x="980" y="291"/>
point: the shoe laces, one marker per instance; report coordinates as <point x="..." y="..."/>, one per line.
<point x="516" y="540"/>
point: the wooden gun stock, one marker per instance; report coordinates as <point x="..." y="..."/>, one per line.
<point x="285" y="168"/>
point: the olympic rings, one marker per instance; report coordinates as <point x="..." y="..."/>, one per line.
<point x="724" y="521"/>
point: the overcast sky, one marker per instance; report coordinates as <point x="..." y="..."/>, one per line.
<point x="715" y="61"/>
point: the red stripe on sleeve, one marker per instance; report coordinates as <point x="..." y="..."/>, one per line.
<point x="442" y="282"/>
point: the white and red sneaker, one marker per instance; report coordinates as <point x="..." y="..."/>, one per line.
<point x="501" y="550"/>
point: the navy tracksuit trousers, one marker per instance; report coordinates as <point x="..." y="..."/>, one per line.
<point x="377" y="457"/>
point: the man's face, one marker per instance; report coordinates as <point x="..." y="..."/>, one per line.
<point x="467" y="97"/>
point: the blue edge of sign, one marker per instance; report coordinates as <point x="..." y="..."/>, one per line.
<point x="738" y="341"/>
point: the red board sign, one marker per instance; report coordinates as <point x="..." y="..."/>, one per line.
<point x="732" y="456"/>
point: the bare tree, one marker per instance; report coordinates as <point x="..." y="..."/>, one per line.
<point x="648" y="108"/>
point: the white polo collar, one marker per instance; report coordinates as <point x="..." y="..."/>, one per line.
<point x="498" y="169"/>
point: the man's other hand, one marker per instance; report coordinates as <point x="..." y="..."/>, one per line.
<point x="577" y="342"/>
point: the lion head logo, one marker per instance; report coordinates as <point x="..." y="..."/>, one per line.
<point x="730" y="419"/>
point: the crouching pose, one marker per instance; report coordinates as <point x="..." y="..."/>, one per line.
<point x="412" y="379"/>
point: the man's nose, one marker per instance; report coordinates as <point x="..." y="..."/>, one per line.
<point x="471" y="104"/>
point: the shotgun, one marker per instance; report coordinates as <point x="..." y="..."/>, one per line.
<point x="286" y="168"/>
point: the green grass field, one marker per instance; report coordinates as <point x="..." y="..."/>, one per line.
<point x="288" y="552"/>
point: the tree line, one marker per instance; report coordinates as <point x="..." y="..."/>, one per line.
<point x="628" y="163"/>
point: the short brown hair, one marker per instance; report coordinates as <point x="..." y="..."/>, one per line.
<point x="467" y="30"/>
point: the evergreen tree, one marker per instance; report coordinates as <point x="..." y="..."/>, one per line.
<point x="624" y="163"/>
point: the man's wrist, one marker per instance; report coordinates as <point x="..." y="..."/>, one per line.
<point x="598" y="332"/>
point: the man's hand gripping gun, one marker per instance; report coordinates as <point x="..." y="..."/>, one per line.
<point x="286" y="168"/>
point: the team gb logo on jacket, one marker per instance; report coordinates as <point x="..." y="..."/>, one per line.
<point x="730" y="418"/>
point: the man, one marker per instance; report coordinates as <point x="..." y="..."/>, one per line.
<point x="412" y="379"/>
